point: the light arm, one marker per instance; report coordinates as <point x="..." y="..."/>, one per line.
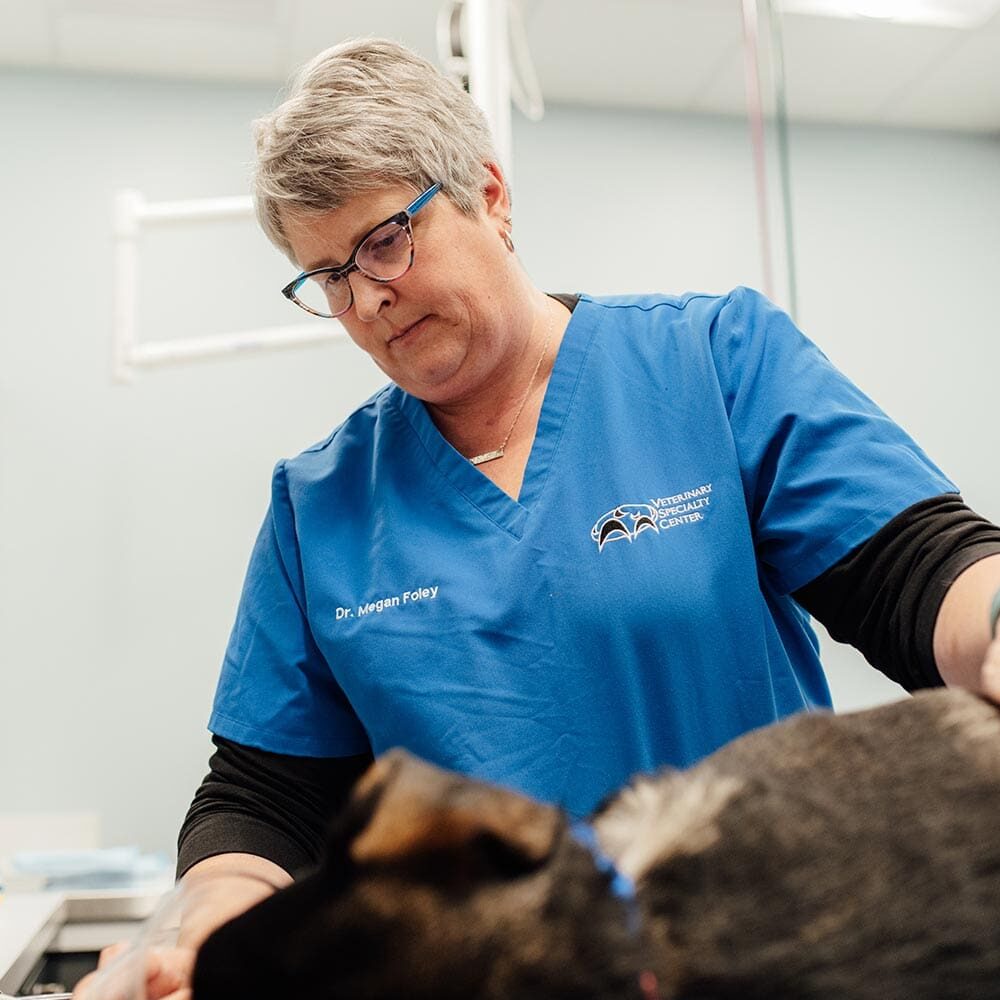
<point x="967" y="654"/>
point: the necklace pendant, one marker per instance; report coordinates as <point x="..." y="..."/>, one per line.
<point x="487" y="456"/>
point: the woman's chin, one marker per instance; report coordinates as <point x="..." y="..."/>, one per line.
<point x="435" y="377"/>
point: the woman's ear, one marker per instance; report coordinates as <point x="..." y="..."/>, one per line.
<point x="496" y="198"/>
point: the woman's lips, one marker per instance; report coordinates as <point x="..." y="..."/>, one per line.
<point x="407" y="333"/>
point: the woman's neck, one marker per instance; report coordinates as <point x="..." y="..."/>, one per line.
<point x="503" y="413"/>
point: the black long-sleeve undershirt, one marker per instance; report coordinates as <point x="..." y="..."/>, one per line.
<point x="269" y="804"/>
<point x="882" y="598"/>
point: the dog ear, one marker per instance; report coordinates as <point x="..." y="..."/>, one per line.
<point x="418" y="809"/>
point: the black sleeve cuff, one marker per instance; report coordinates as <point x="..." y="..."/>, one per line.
<point x="884" y="596"/>
<point x="228" y="833"/>
<point x="275" y="806"/>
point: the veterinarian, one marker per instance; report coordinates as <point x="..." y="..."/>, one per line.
<point x="573" y="538"/>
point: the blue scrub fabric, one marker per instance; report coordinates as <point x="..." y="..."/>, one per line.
<point x="697" y="459"/>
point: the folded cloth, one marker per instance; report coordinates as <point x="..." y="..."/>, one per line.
<point x="107" y="868"/>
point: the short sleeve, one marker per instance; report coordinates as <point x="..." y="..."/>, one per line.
<point x="277" y="691"/>
<point x="823" y="467"/>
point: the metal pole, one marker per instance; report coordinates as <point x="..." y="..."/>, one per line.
<point x="489" y="70"/>
<point x="755" y="112"/>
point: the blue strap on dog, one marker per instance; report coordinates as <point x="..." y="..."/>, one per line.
<point x="621" y="885"/>
<point x="624" y="888"/>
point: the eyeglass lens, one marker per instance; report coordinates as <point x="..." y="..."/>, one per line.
<point x="384" y="255"/>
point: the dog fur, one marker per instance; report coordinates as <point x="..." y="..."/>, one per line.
<point x="828" y="856"/>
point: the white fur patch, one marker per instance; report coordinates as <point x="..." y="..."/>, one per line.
<point x="655" y="818"/>
<point x="968" y="718"/>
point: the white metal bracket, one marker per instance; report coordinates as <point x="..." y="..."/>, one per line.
<point x="132" y="211"/>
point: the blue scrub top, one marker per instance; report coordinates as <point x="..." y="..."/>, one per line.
<point x="697" y="459"/>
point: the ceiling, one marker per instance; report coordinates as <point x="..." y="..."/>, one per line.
<point x="681" y="55"/>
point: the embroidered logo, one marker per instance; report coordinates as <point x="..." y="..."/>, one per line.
<point x="630" y="520"/>
<point x="627" y="520"/>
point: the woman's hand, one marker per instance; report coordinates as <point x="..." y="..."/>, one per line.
<point x="991" y="670"/>
<point x="165" y="972"/>
<point x="966" y="653"/>
<point x="159" y="965"/>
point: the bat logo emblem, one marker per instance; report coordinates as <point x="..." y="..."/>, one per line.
<point x="627" y="520"/>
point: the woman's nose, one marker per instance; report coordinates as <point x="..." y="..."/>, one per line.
<point x="369" y="296"/>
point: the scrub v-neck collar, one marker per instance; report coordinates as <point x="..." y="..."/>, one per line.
<point x="477" y="489"/>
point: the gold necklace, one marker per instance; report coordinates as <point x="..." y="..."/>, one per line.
<point x="489" y="456"/>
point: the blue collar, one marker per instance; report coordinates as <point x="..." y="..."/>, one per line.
<point x="621" y="886"/>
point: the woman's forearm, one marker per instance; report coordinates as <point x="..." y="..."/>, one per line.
<point x="962" y="632"/>
<point x="222" y="887"/>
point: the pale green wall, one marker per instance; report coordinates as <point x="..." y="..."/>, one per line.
<point x="128" y="512"/>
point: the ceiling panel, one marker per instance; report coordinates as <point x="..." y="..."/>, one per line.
<point x="24" y="33"/>
<point x="839" y="70"/>
<point x="244" y="50"/>
<point x="933" y="13"/>
<point x="640" y="53"/>
<point x="318" y="24"/>
<point x="723" y="89"/>
<point x="682" y="55"/>
<point x="961" y="90"/>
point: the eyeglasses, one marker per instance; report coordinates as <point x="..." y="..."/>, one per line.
<point x="384" y="253"/>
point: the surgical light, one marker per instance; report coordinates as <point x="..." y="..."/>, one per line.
<point x="966" y="14"/>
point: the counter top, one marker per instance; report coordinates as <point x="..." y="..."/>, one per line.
<point x="32" y="923"/>
<point x="29" y="923"/>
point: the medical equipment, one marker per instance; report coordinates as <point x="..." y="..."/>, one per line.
<point x="39" y="996"/>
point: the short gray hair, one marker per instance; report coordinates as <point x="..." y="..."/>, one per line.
<point x="360" y="115"/>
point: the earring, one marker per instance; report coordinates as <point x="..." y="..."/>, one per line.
<point x="505" y="236"/>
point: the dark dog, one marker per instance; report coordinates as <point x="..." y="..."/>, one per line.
<point x="851" y="856"/>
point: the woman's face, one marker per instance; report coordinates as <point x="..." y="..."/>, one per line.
<point x="441" y="329"/>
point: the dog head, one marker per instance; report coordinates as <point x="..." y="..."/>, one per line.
<point x="433" y="886"/>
